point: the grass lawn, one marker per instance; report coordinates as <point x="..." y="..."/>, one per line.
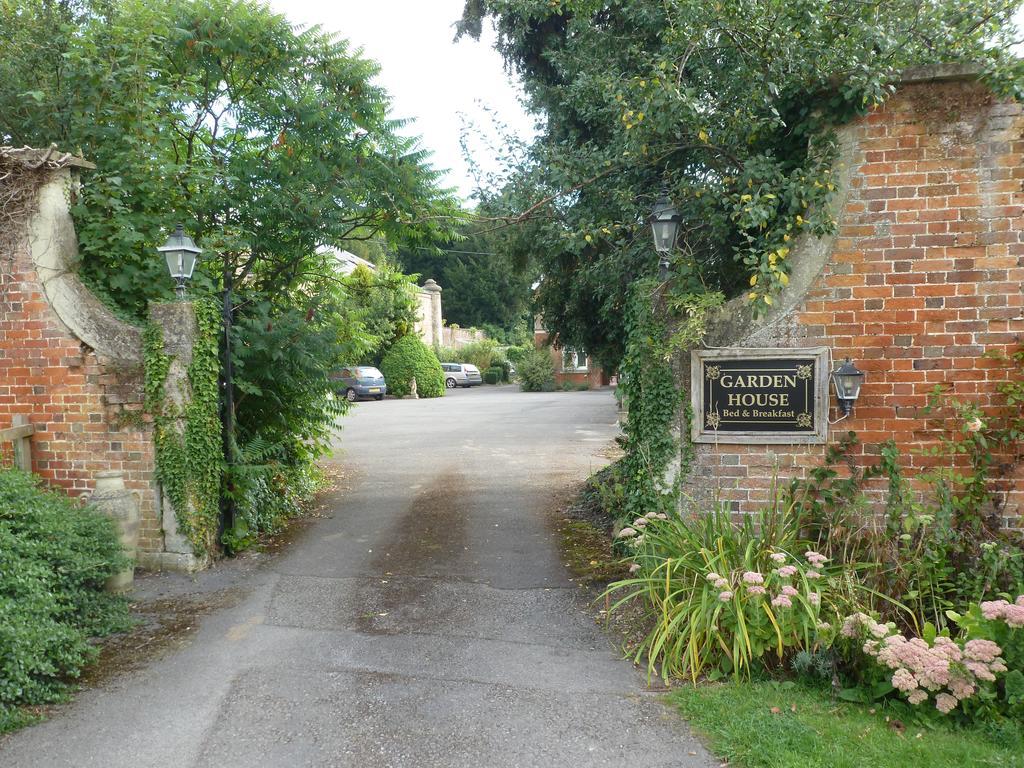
<point x="807" y="731"/>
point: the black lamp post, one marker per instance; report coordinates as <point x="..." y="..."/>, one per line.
<point x="180" y="252"/>
<point x="665" y="221"/>
<point x="847" y="380"/>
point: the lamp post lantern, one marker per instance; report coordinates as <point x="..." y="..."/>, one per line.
<point x="180" y="252"/>
<point x="847" y="380"/>
<point x="665" y="221"/>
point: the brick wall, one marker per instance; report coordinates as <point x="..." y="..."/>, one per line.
<point x="923" y="278"/>
<point x="594" y="377"/>
<point x="86" y="408"/>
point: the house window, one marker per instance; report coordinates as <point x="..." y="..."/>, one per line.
<point x="574" y="361"/>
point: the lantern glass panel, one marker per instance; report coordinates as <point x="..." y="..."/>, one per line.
<point x="664" y="235"/>
<point x="848" y="381"/>
<point x="664" y="224"/>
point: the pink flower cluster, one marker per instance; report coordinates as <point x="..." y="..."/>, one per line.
<point x="754" y="582"/>
<point x="946" y="669"/>
<point x="1011" y="613"/>
<point x="815" y="559"/>
<point x="719" y="582"/>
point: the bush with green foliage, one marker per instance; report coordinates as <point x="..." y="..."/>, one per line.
<point x="384" y="302"/>
<point x="536" y="371"/>
<point x="493" y="375"/>
<point x="517" y="353"/>
<point x="55" y="558"/>
<point x="483" y="354"/>
<point x="269" y="494"/>
<point x="410" y="358"/>
<point x="447" y="354"/>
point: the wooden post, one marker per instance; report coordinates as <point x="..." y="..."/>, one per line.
<point x="22" y="441"/>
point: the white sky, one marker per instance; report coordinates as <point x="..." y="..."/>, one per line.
<point x="430" y="78"/>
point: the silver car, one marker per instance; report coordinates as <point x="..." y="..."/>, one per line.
<point x="461" y="375"/>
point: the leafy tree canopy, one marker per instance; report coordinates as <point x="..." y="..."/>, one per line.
<point x="724" y="104"/>
<point x="266" y="142"/>
<point x="385" y="302"/>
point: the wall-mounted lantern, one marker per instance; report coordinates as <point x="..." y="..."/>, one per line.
<point x="665" y="221"/>
<point x="847" y="379"/>
<point x="180" y="252"/>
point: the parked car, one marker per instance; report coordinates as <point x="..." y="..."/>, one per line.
<point x="357" y="381"/>
<point x="461" y="375"/>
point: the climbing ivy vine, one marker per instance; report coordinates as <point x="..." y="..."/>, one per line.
<point x="189" y="462"/>
<point x="650" y="392"/>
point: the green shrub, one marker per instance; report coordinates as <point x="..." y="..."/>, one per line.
<point x="516" y="354"/>
<point x="410" y="358"/>
<point x="506" y="371"/>
<point x="54" y="560"/>
<point x="536" y="371"/>
<point x="447" y="354"/>
<point x="483" y="354"/>
<point x="921" y="559"/>
<point x="493" y="375"/>
<point x="268" y="495"/>
<point x="727" y="598"/>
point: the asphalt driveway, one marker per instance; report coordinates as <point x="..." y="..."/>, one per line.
<point x="426" y="620"/>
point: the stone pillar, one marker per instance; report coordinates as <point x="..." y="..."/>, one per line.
<point x="435" y="321"/>
<point x="118" y="503"/>
<point x="178" y="322"/>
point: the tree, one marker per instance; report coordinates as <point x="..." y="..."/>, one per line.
<point x="482" y="286"/>
<point x="410" y="359"/>
<point x="385" y="302"/>
<point x="267" y="143"/>
<point x="726" y="105"/>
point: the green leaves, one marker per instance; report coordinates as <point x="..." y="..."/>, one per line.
<point x="410" y="359"/>
<point x="727" y="104"/>
<point x="54" y="560"/>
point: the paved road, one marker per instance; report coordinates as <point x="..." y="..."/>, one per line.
<point x="427" y="622"/>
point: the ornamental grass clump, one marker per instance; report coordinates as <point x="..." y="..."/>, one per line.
<point x="726" y="598"/>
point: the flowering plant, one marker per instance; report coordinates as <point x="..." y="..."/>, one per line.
<point x="977" y="673"/>
<point x="726" y="597"/>
<point x="1000" y="622"/>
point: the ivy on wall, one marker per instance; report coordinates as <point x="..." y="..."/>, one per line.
<point x="650" y="392"/>
<point x="189" y="461"/>
<point x="658" y="325"/>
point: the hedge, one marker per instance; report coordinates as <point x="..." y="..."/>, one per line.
<point x="408" y="358"/>
<point x="55" y="557"/>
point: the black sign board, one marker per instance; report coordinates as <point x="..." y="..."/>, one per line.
<point x="760" y="395"/>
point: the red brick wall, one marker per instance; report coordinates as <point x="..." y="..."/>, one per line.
<point x="593" y="377"/>
<point x="924" y="278"/>
<point x="87" y="412"/>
